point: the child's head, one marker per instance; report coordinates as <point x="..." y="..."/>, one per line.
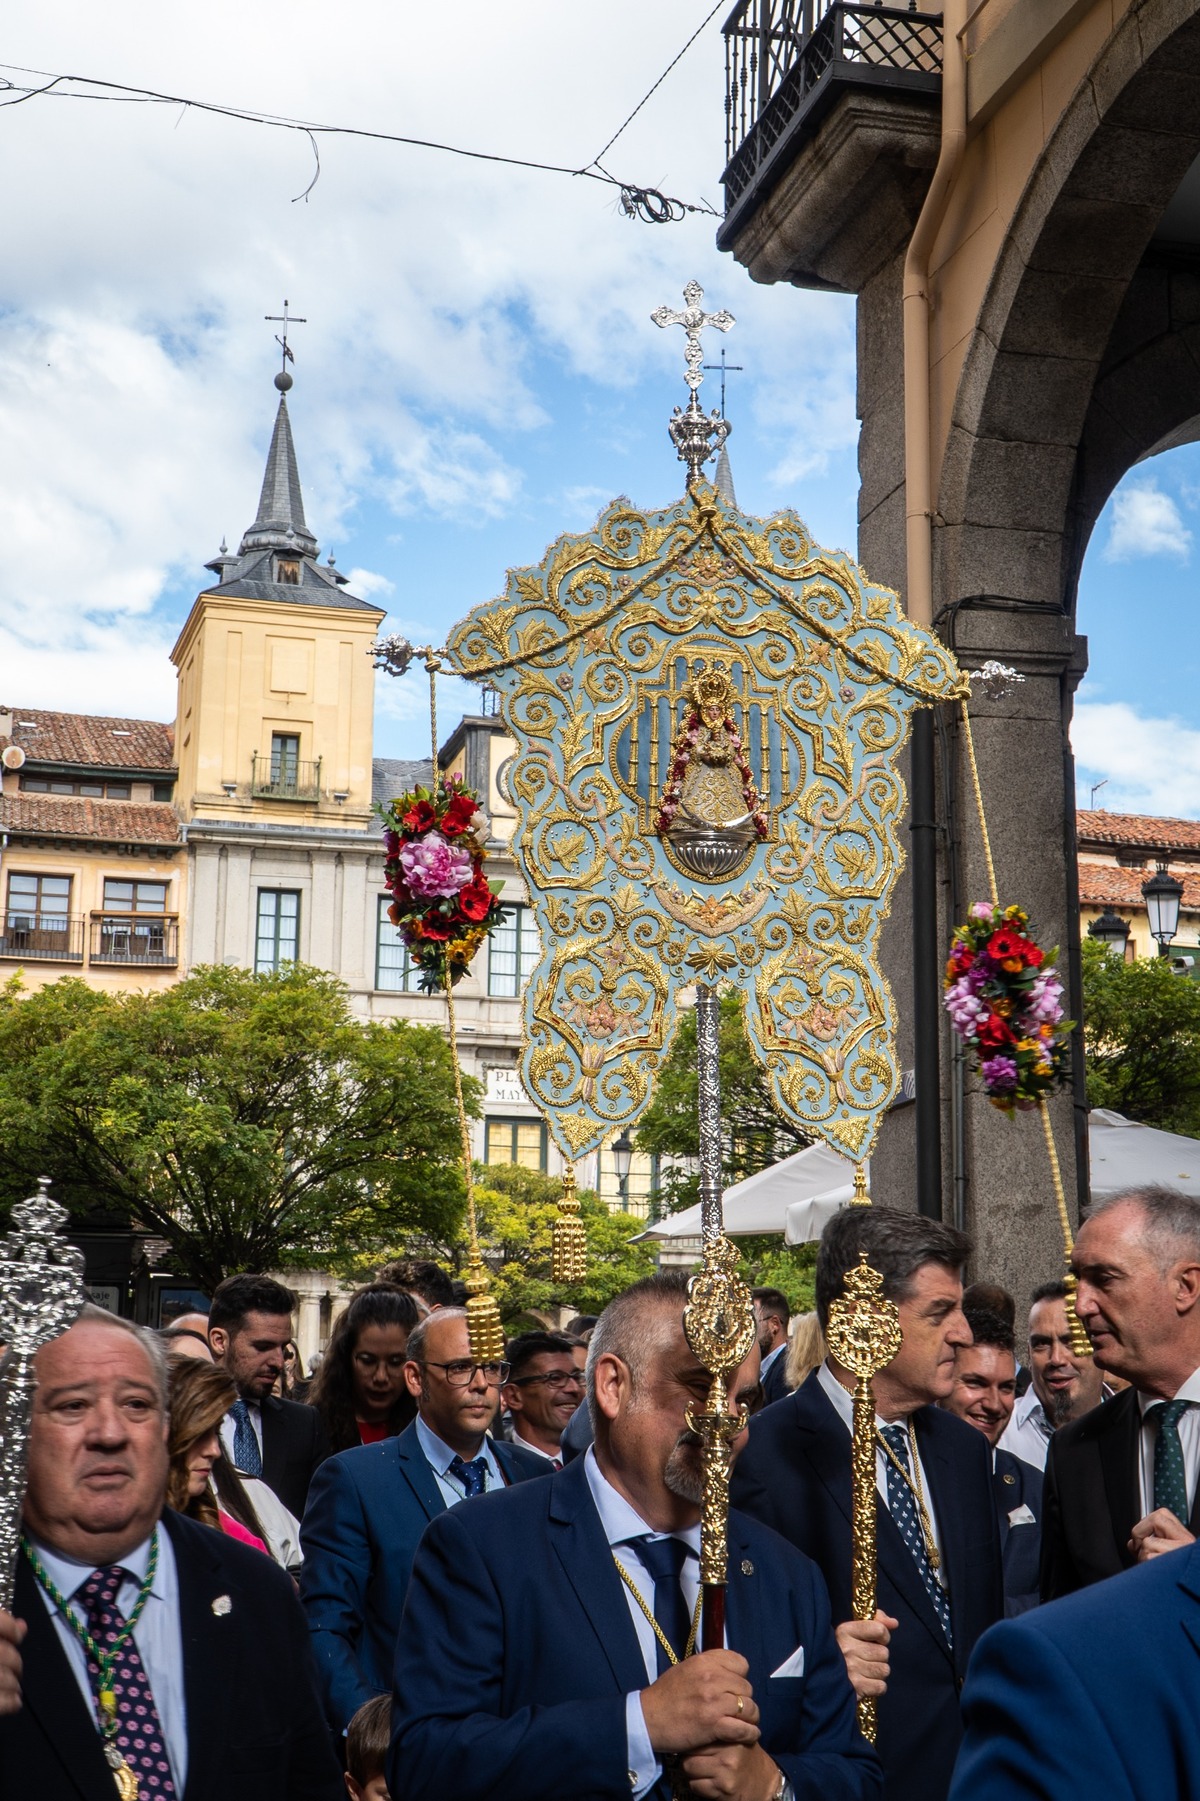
<point x="367" y="1742"/>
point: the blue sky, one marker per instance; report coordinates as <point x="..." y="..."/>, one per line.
<point x="478" y="372"/>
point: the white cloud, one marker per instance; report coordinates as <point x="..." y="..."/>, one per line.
<point x="365" y="582"/>
<point x="1146" y="523"/>
<point x="1152" y="765"/>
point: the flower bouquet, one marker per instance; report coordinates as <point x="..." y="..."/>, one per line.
<point x="1004" y="999"/>
<point x="443" y="904"/>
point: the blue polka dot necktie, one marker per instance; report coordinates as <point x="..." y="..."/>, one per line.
<point x="1170" y="1471"/>
<point x="139" y="1736"/>
<point x="246" y="1453"/>
<point x="902" y="1506"/>
<point x="473" y="1475"/>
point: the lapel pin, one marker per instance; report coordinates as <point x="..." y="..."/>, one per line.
<point x="1009" y="1478"/>
<point x="222" y="1605"/>
<point x="747" y="1567"/>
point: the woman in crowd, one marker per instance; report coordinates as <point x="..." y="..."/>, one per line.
<point x="203" y="1484"/>
<point x="359" y="1388"/>
<point x="806" y="1349"/>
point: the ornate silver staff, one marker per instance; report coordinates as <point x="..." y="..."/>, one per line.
<point x="719" y="1324"/>
<point x="41" y="1293"/>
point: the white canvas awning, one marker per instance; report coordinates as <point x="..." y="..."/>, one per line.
<point x="759" y="1203"/>
<point x="1124" y="1154"/>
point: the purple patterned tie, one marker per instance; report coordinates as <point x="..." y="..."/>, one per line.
<point x="139" y="1731"/>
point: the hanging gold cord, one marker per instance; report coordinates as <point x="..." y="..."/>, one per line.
<point x="484" y="1330"/>
<point x="1081" y="1344"/>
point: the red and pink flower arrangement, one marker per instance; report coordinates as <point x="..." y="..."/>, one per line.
<point x="1004" y="999"/>
<point x="442" y="902"/>
<point x="682" y="752"/>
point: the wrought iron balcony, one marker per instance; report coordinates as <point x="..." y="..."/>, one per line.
<point x="283" y="778"/>
<point x="145" y="940"/>
<point x="787" y="60"/>
<point x="42" y="937"/>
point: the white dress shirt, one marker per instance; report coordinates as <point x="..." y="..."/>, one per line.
<point x="554" y="1458"/>
<point x="843" y="1402"/>
<point x="1028" y="1433"/>
<point x="620" y="1522"/>
<point x="229" y="1427"/>
<point x="439" y="1457"/>
<point x="157" y="1635"/>
<point x="1189" y="1437"/>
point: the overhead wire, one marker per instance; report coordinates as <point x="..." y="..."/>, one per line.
<point x="637" y="201"/>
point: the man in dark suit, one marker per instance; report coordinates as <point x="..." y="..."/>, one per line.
<point x="282" y="1442"/>
<point x="1095" y="1695"/>
<point x="1121" y="1483"/>
<point x="938" y="1541"/>
<point x="771" y="1316"/>
<point x="984" y="1395"/>
<point x="543" y="1651"/>
<point x="369" y="1506"/>
<point x="212" y="1695"/>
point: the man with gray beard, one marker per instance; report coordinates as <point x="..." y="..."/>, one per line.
<point x="547" y="1643"/>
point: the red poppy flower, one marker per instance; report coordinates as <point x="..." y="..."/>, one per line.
<point x="475" y="900"/>
<point x="1004" y="944"/>
<point x="420" y="816"/>
<point x="458" y="815"/>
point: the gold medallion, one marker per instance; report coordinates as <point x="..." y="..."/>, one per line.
<point x="123" y="1776"/>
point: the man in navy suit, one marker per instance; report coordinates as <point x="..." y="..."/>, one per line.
<point x="938" y="1540"/>
<point x="984" y="1394"/>
<point x="771" y="1316"/>
<point x="1096" y="1695"/>
<point x="368" y="1507"/>
<point x="543" y="1652"/>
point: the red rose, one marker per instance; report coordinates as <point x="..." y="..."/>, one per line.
<point x="475" y="900"/>
<point x="994" y="1032"/>
<point x="1034" y="955"/>
<point x="458" y="815"/>
<point x="420" y="816"/>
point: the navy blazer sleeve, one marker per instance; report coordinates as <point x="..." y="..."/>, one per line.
<point x="333" y="1588"/>
<point x="448" y="1736"/>
<point x="1033" y="1731"/>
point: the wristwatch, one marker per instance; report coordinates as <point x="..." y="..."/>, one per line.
<point x="784" y="1792"/>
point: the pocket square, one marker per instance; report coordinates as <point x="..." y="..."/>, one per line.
<point x="791" y="1666"/>
<point x="1021" y="1516"/>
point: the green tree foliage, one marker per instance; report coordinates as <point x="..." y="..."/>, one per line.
<point x="1141" y="1030"/>
<point x="250" y="1120"/>
<point x="769" y="1263"/>
<point x="753" y="1133"/>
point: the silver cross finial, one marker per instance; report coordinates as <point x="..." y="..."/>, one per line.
<point x="693" y="319"/>
<point x="41" y="1291"/>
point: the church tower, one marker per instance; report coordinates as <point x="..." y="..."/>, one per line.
<point x="276" y="690"/>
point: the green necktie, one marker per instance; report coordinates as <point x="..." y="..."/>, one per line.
<point x="1170" y="1475"/>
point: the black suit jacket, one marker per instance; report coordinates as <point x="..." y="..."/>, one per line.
<point x="1018" y="1485"/>
<point x="794" y="1475"/>
<point x="774" y="1383"/>
<point x="293" y="1446"/>
<point x="1092" y="1497"/>
<point x="254" y="1725"/>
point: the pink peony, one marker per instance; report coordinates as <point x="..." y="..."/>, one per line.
<point x="1043" y="1004"/>
<point x="433" y="867"/>
<point x="964" y="1007"/>
<point x="980" y="910"/>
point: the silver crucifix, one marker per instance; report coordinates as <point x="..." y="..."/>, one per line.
<point x="41" y="1292"/>
<point x="693" y="319"/>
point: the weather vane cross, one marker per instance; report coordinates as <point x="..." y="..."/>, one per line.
<point x="693" y="319"/>
<point x="723" y="369"/>
<point x="285" y="319"/>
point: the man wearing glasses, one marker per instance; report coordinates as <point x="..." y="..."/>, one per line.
<point x="368" y="1510"/>
<point x="544" y="1388"/>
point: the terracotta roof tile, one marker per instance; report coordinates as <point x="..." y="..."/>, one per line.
<point x="103" y="821"/>
<point x="1103" y="885"/>
<point x="1137" y="831"/>
<point x="92" y="741"/>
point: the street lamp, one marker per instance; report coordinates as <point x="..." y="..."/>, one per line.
<point x="1162" y="895"/>
<point x="622" y="1151"/>
<point x="1110" y="930"/>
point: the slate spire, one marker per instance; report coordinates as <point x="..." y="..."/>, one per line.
<point x="280" y="524"/>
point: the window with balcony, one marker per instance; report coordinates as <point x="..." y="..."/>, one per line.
<point x="285" y="758"/>
<point x="513" y="950"/>
<point x="38" y="923"/>
<point x="282" y="776"/>
<point x="395" y="972"/>
<point x="277" y="937"/>
<point x="520" y="1141"/>
<point x="134" y="926"/>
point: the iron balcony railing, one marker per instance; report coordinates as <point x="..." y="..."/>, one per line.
<point x="140" y="939"/>
<point x="276" y="778"/>
<point x="42" y="937"/>
<point x="783" y="57"/>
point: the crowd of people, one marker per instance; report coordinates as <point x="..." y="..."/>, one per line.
<point x="410" y="1574"/>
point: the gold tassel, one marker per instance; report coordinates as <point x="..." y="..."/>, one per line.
<point x="1081" y="1344"/>
<point x="484" y="1330"/>
<point x="860" y="1197"/>
<point x="568" y="1238"/>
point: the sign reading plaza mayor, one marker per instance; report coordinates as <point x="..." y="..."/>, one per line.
<point x="708" y="710"/>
